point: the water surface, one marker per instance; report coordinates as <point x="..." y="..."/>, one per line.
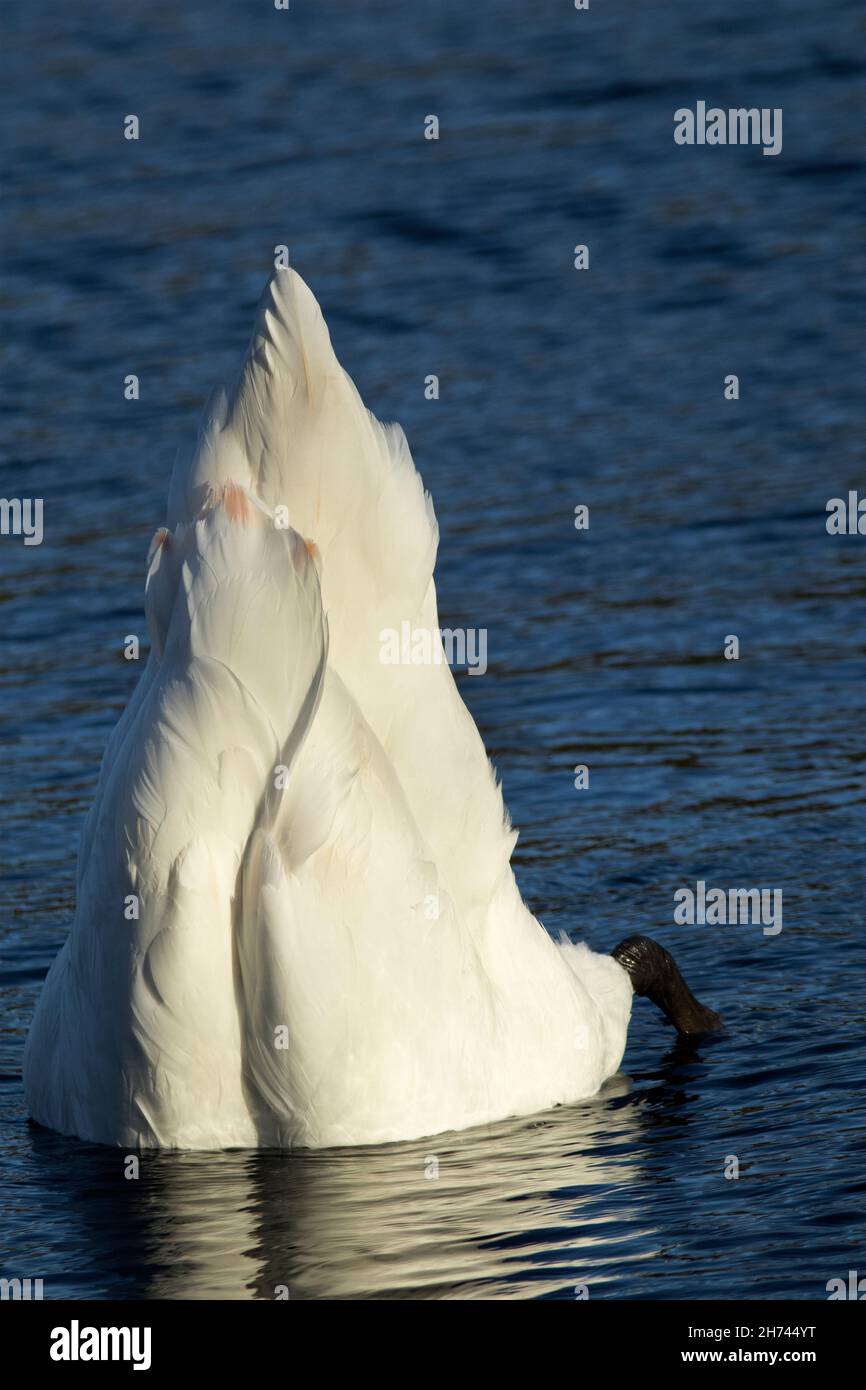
<point x="556" y="388"/>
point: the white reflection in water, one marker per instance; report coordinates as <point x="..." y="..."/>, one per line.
<point x="509" y="1210"/>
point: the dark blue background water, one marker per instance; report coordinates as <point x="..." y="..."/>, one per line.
<point x="557" y="387"/>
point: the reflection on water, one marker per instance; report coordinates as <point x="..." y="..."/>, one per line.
<point x="508" y="1210"/>
<point x="624" y="1191"/>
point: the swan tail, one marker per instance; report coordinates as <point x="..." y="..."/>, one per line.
<point x="140" y="1017"/>
<point x="294" y="426"/>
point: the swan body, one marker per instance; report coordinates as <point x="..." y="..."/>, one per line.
<point x="297" y="922"/>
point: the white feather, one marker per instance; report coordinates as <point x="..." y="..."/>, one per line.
<point x="316" y="840"/>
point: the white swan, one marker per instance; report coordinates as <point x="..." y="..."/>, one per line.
<point x="296" y="921"/>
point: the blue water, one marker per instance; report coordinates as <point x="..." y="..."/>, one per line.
<point x="605" y="647"/>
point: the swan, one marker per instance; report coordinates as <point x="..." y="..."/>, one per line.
<point x="296" y="920"/>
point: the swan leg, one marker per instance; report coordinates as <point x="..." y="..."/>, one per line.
<point x="653" y="972"/>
